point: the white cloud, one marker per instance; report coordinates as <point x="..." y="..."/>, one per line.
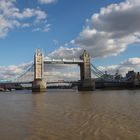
<point x="108" y="32"/>
<point x="63" y="52"/>
<point x="26" y="25"/>
<point x="55" y="72"/>
<point x="46" y="1"/>
<point x="12" y="17"/>
<point x="115" y="68"/>
<point x="10" y="72"/>
<point x="137" y="2"/>
<point x="132" y="62"/>
<point x="123" y="67"/>
<point x="46" y="28"/>
<point x="36" y="29"/>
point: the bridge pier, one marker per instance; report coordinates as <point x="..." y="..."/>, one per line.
<point x="39" y="85"/>
<point x="86" y="83"/>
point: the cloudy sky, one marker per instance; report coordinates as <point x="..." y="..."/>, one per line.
<point x="108" y="29"/>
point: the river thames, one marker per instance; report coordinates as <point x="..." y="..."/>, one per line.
<point x="70" y="115"/>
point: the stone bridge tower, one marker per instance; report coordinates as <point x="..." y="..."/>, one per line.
<point x="86" y="83"/>
<point x="38" y="84"/>
<point x="85" y="70"/>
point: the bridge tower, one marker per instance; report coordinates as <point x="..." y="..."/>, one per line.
<point x="86" y="83"/>
<point x="38" y="84"/>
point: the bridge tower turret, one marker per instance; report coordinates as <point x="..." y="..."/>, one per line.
<point x="38" y="84"/>
<point x="86" y="83"/>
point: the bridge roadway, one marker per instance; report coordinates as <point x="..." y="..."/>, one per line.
<point x="55" y="82"/>
<point x="10" y="82"/>
<point x="30" y="82"/>
<point x="99" y="84"/>
<point x="63" y="61"/>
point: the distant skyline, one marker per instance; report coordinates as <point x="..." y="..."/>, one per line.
<point x="109" y="30"/>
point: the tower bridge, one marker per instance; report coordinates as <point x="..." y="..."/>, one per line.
<point x="39" y="84"/>
<point x="35" y="75"/>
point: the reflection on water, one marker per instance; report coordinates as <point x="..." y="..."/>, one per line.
<point x="70" y="115"/>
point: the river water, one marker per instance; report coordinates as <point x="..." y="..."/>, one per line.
<point x="70" y="115"/>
